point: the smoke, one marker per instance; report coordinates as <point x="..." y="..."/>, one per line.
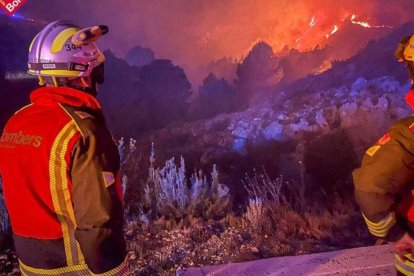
<point x="194" y="33"/>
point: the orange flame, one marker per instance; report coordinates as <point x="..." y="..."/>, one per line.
<point x="334" y="30"/>
<point x="366" y="24"/>
<point x="312" y="24"/>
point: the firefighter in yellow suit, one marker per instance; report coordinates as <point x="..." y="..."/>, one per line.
<point x="384" y="184"/>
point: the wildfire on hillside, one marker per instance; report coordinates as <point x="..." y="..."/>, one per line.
<point x="366" y="24"/>
<point x="334" y="30"/>
<point x="195" y="33"/>
<point x="312" y="24"/>
<point x="317" y="30"/>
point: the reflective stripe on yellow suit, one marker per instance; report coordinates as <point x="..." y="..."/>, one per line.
<point x="77" y="270"/>
<point x="382" y="227"/>
<point x="405" y="267"/>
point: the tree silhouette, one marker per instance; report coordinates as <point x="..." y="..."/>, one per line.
<point x="216" y="96"/>
<point x="117" y="94"/>
<point x="139" y="56"/>
<point x="224" y="67"/>
<point x="259" y="69"/>
<point x="142" y="99"/>
<point x="162" y="90"/>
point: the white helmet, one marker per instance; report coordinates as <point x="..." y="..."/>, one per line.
<point x="62" y="51"/>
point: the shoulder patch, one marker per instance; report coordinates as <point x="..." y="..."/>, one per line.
<point x="109" y="178"/>
<point x="83" y="115"/>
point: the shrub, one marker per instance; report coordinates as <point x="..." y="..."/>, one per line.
<point x="266" y="199"/>
<point x="275" y="208"/>
<point x="255" y="213"/>
<point x="127" y="155"/>
<point x="168" y="193"/>
<point x="329" y="161"/>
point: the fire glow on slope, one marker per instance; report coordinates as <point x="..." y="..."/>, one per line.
<point x="334" y="30"/>
<point x="366" y="24"/>
<point x="316" y="36"/>
<point x="353" y="21"/>
<point x="312" y="24"/>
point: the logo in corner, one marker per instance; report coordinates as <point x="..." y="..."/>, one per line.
<point x="11" y="6"/>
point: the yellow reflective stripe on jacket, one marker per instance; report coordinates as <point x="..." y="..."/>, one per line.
<point x="381" y="228"/>
<point x="405" y="267"/>
<point x="64" y="271"/>
<point x="372" y="150"/>
<point x="76" y="270"/>
<point x="60" y="193"/>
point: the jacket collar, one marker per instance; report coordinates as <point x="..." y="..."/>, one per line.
<point x="65" y="95"/>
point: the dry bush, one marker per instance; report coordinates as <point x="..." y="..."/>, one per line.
<point x="329" y="161"/>
<point x="277" y="209"/>
<point x="168" y="193"/>
<point x="255" y="214"/>
<point x="264" y="196"/>
<point x="270" y="203"/>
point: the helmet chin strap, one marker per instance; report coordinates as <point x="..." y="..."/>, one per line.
<point x="41" y="81"/>
<point x="84" y="82"/>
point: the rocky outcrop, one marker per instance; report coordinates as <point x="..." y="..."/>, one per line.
<point x="375" y="102"/>
<point x="364" y="111"/>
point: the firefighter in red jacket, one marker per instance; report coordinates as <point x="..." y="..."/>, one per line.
<point x="384" y="184"/>
<point x="59" y="163"/>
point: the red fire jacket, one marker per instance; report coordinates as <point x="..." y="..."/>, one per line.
<point x="59" y="166"/>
